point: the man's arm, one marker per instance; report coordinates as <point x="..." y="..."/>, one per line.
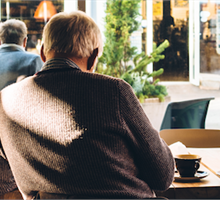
<point x="153" y="157"/>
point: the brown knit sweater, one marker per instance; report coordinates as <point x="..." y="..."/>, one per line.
<point x="84" y="134"/>
<point x="7" y="182"/>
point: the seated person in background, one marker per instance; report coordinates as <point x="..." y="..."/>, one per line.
<point x="166" y="27"/>
<point x="14" y="63"/>
<point x="71" y="133"/>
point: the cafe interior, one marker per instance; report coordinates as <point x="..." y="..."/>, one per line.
<point x="193" y="30"/>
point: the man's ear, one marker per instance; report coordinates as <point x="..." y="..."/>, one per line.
<point x="43" y="57"/>
<point x="91" y="60"/>
<point x="25" y="42"/>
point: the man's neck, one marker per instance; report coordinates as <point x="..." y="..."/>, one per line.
<point x="81" y="62"/>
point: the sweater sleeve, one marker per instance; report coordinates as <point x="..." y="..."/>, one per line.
<point x="152" y="155"/>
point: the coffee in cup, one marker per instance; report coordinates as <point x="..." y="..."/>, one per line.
<point x="187" y="164"/>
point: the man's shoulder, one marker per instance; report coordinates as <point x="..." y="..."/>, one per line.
<point x="30" y="54"/>
<point x="19" y="53"/>
<point x="107" y="79"/>
<point x="16" y="49"/>
<point x="30" y="57"/>
<point x="104" y="77"/>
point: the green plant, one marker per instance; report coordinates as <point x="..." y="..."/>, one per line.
<point x="139" y="78"/>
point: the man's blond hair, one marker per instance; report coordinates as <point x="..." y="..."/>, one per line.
<point x="72" y="33"/>
<point x="13" y="31"/>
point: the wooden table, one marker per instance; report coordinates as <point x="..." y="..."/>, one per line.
<point x="206" y="188"/>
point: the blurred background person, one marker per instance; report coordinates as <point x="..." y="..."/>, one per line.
<point x="15" y="61"/>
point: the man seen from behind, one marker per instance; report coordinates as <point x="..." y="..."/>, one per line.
<point x="70" y="133"/>
<point x="14" y="60"/>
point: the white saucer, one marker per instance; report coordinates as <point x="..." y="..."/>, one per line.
<point x="199" y="175"/>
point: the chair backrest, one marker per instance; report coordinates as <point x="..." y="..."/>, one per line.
<point x="186" y="114"/>
<point x="200" y="138"/>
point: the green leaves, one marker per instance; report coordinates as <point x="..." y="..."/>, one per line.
<point x="138" y="77"/>
<point x="157" y="73"/>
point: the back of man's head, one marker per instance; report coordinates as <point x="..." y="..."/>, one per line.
<point x="13" y="31"/>
<point x="72" y="33"/>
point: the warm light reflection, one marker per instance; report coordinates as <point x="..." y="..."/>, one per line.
<point x="45" y="10"/>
